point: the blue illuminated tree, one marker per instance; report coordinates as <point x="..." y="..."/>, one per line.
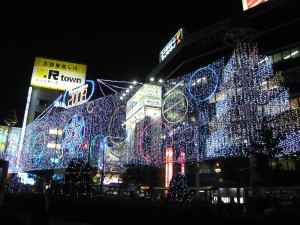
<point x="178" y="189"/>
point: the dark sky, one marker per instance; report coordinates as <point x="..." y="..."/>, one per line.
<point x="117" y="40"/>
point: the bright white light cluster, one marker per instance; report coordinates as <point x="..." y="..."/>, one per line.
<point x="291" y="143"/>
<point x="249" y="91"/>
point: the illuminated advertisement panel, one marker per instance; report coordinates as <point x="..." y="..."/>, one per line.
<point x="9" y="145"/>
<point x="9" y="138"/>
<point x="248" y="4"/>
<point x="3" y="137"/>
<point x="58" y="75"/>
<point x="147" y="95"/>
<point x="78" y="95"/>
<point x="176" y="40"/>
<point x="169" y="166"/>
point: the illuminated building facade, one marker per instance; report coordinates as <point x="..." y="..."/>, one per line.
<point x="138" y="130"/>
<point x="211" y="92"/>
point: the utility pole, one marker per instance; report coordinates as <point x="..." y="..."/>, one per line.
<point x="10" y="120"/>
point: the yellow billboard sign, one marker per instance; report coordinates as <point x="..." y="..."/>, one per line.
<point x="56" y="74"/>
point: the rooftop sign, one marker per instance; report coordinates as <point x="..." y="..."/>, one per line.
<point x="171" y="45"/>
<point x="248" y="4"/>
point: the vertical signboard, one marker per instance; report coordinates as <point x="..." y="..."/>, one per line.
<point x="169" y="166"/>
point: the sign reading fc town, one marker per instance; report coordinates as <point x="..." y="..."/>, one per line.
<point x="58" y="75"/>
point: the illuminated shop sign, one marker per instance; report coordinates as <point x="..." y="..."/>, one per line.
<point x="9" y="139"/>
<point x="79" y="95"/>
<point x="248" y="4"/>
<point x="148" y="95"/>
<point x="176" y="40"/>
<point x="58" y="75"/>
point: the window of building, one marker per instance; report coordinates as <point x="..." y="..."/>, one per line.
<point x="264" y="85"/>
<point x="277" y="57"/>
<point x="43" y="102"/>
<point x="286" y="54"/>
<point x="294" y="103"/>
<point x="295" y="52"/>
<point x="213" y="98"/>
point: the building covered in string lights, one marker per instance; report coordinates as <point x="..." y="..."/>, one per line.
<point x="211" y="108"/>
<point x="271" y="25"/>
<point x="211" y="113"/>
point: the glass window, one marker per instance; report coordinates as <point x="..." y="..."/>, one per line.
<point x="264" y="86"/>
<point x="295" y="52"/>
<point x="277" y="57"/>
<point x="294" y="103"/>
<point x="43" y="103"/>
<point x="286" y="54"/>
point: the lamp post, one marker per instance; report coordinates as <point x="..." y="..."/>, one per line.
<point x="218" y="170"/>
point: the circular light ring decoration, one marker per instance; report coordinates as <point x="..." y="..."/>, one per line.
<point x="146" y="156"/>
<point x="184" y="135"/>
<point x="73" y="134"/>
<point x="44" y="137"/>
<point x="46" y="130"/>
<point x="175" y="107"/>
<point x="208" y="89"/>
<point x="38" y="146"/>
<point x="115" y="139"/>
<point x="97" y="148"/>
<point x="129" y="144"/>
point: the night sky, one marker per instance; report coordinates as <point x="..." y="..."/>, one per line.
<point x="117" y="40"/>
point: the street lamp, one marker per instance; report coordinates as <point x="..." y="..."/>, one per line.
<point x="218" y="170"/>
